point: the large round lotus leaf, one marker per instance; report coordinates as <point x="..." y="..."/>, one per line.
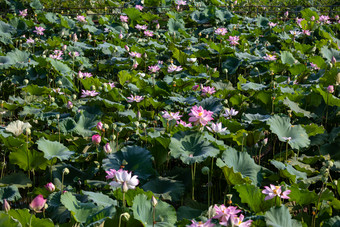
<point x="133" y="158"/>
<point x="24" y="217"/>
<point x="54" y="149"/>
<point x="191" y="147"/>
<point x="165" y="214"/>
<point x="280" y="217"/>
<point x="282" y="128"/>
<point x="5" y="62"/>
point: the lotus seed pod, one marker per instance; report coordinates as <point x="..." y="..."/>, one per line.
<point x="93" y="88"/>
<point x="226" y="101"/>
<point x="58" y="116"/>
<point x="60" y="82"/>
<point x="157" y="118"/>
<point x="113" y="137"/>
<point x="100" y="88"/>
<point x="74" y="96"/>
<point x="128" y="106"/>
<point x="106" y="126"/>
<point x="205" y="170"/>
<point x="330" y="163"/>
<point x="126" y="216"/>
<point x="26" y="81"/>
<point x="114" y="126"/>
<point x="335" y="182"/>
<point x="45" y="206"/>
<point x="28" y="131"/>
<point x="225" y="71"/>
<point x="136" y="123"/>
<point x="66" y="171"/>
<point x="52" y="99"/>
<point x="119" y="129"/>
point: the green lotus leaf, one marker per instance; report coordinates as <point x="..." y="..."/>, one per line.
<point x="231" y="64"/>
<point x="280" y="217"/>
<point x="287" y="58"/>
<point x="6" y="32"/>
<point x="56" y="210"/>
<point x="8" y="221"/>
<point x="297" y="110"/>
<point x="249" y="118"/>
<point x="330" y="53"/>
<point x="97" y="219"/>
<point x="332" y="222"/>
<point x="282" y="128"/>
<point x="131" y="194"/>
<point x="5" y="62"/>
<point x="329" y="99"/>
<point x="288" y="171"/>
<point x="252" y="86"/>
<point x="175" y="25"/>
<point x="301" y="196"/>
<point x="165" y="188"/>
<point x="54" y="149"/>
<point x="28" y="159"/>
<point x="19" y="180"/>
<point x="185" y="212"/>
<point x="60" y="67"/>
<point x="20" y="58"/>
<point x="132" y="13"/>
<point x="253" y="196"/>
<point x="191" y="147"/>
<point x="201" y="17"/>
<point x="262" y="22"/>
<point x="138" y="160"/>
<point x="213" y="104"/>
<point x="10" y="193"/>
<point x="100" y="199"/>
<point x="239" y="167"/>
<point x="24" y="216"/>
<point x="165" y="214"/>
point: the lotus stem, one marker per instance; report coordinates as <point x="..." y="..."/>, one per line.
<point x="124" y="202"/>
<point x="153" y="216"/>
<point x="31" y="220"/>
<point x="327" y="108"/>
<point x="286" y="151"/>
<point x="260" y="154"/>
<point x="193" y="173"/>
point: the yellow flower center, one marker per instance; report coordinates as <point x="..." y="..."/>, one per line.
<point x="277" y="188"/>
<point x="200" y="114"/>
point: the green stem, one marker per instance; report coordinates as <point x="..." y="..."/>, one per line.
<point x="193" y="172"/>
<point x="286" y="151"/>
<point x="327" y="109"/>
<point x="31" y="220"/>
<point x="124" y="204"/>
<point x="120" y="220"/>
<point x="154" y="216"/>
<point x="260" y="154"/>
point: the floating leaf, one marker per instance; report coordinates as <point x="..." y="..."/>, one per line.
<point x="24" y="217"/>
<point x="28" y="159"/>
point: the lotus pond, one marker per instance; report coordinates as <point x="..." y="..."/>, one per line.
<point x="184" y="115"/>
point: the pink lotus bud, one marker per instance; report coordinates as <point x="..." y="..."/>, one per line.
<point x="265" y="141"/>
<point x="135" y="65"/>
<point x="286" y="14"/>
<point x="38" y="203"/>
<point x="99" y="126"/>
<point x="195" y="87"/>
<point x="337" y="17"/>
<point x="96" y="139"/>
<point x="330" y="89"/>
<point x="157" y="26"/>
<point x="107" y="148"/>
<point x="5" y="206"/>
<point x="64" y="47"/>
<point x="75" y="38"/>
<point x="80" y="75"/>
<point x="127" y="48"/>
<point x="50" y="187"/>
<point x="69" y="105"/>
<point x="312" y="18"/>
<point x="121" y="36"/>
<point x="333" y="61"/>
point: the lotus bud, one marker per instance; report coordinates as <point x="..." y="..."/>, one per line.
<point x="127" y="48"/>
<point x="28" y="131"/>
<point x="154" y="201"/>
<point x="60" y="83"/>
<point x="113" y="137"/>
<point x="66" y="171"/>
<point x="312" y="18"/>
<point x="75" y="38"/>
<point x="5" y="206"/>
<point x="157" y="118"/>
<point x="157" y="26"/>
<point x="50" y="187"/>
<point x="330" y="163"/>
<point x="114" y="126"/>
<point x="125" y="187"/>
<point x="337" y="79"/>
<point x="69" y="105"/>
<point x="26" y="81"/>
<point x="126" y="26"/>
<point x="106" y="126"/>
<point x="52" y="99"/>
<point x="107" y="148"/>
<point x="128" y="106"/>
<point x="120" y="36"/>
<point x="93" y="88"/>
<point x="335" y="182"/>
<point x="265" y="141"/>
<point x="205" y="170"/>
<point x="330" y="89"/>
<point x="64" y="47"/>
<point x="333" y="61"/>
<point x="200" y="34"/>
<point x="38" y="203"/>
<point x="144" y="125"/>
<point x="99" y="126"/>
<point x="286" y="14"/>
<point x="126" y="216"/>
<point x="225" y="71"/>
<point x="337" y="17"/>
<point x="119" y="129"/>
<point x="136" y="123"/>
<point x="145" y="55"/>
<point x="74" y="96"/>
<point x="226" y="101"/>
<point x="89" y="36"/>
<point x="96" y="139"/>
<point x="139" y="116"/>
<point x="80" y="75"/>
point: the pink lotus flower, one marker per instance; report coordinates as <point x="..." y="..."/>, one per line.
<point x="112" y="85"/>
<point x="233" y="40"/>
<point x="324" y="19"/>
<point x="124" y="179"/>
<point x="306" y="32"/>
<point x="200" y="115"/>
<point x="330" y="89"/>
<point x="23" y="13"/>
<point x="295" y="32"/>
<point x="221" y="31"/>
<point x="181" y="2"/>
<point x="135" y="54"/>
<point x="29" y="41"/>
<point x="39" y="30"/>
<point x="107" y="148"/>
<point x="174" y="68"/>
<point x="154" y="68"/>
<point x="298" y="21"/>
<point x="50" y="187"/>
<point x="135" y="98"/>
<point x="96" y="139"/>
<point x="148" y="33"/>
<point x="273" y="191"/>
<point x="230" y="113"/>
<point x="99" y="126"/>
<point x="69" y="105"/>
<point x="270" y="57"/>
<point x="187" y="125"/>
<point x="124" y="18"/>
<point x="38" y="203"/>
<point x="195" y="87"/>
<point x="74" y="54"/>
<point x="112" y="173"/>
<point x="271" y="24"/>
<point x="88" y="93"/>
<point x="207" y="90"/>
<point x="58" y="91"/>
<point x="5" y="206"/>
<point x="141" y="27"/>
<point x="238" y="221"/>
<point x="286" y="14"/>
<point x="216" y="128"/>
<point x="81" y="18"/>
<point x="139" y="7"/>
<point x="171" y="116"/>
<point x="223" y="213"/>
<point x="201" y="224"/>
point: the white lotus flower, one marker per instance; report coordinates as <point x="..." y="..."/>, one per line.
<point x="17" y="127"/>
<point x="216" y="128"/>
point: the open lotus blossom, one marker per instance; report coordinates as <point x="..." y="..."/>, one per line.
<point x="38" y="203"/>
<point x="69" y="105"/>
<point x="221" y="31"/>
<point x="207" y="90"/>
<point x="124" y="179"/>
<point x="287" y="138"/>
<point x="324" y="19"/>
<point x="135" y="98"/>
<point x="230" y="113"/>
<point x="81" y="18"/>
<point x="187" y="125"/>
<point x="181" y="3"/>
<point x="148" y="33"/>
<point x="191" y="60"/>
<point x="111" y="173"/>
<point x="23" y="13"/>
<point x="111" y="84"/>
<point x="139" y="7"/>
<point x="57" y="55"/>
<point x="18" y="127"/>
<point x="233" y="40"/>
<point x="200" y="116"/>
<point x="58" y="91"/>
<point x="223" y="213"/>
<point x="295" y="32"/>
<point x="298" y="21"/>
<point x="124" y="18"/>
<point x="29" y="41"/>
<point x="273" y="191"/>
<point x="306" y="32"/>
<point x="141" y="27"/>
<point x="174" y="68"/>
<point x="272" y="24"/>
<point x="39" y="30"/>
<point x="172" y="116"/>
<point x="201" y="224"/>
<point x="216" y="128"/>
<point x="86" y="93"/>
<point x="238" y="221"/>
<point x="135" y="54"/>
<point x="74" y="54"/>
<point x="269" y="57"/>
<point x="154" y="68"/>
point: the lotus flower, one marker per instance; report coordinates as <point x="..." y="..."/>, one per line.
<point x="174" y="68"/>
<point x="107" y="148"/>
<point x="123" y="178"/>
<point x="23" y="13"/>
<point x="238" y="221"/>
<point x="269" y="57"/>
<point x="139" y="7"/>
<point x="135" y="98"/>
<point x="38" y="203"/>
<point x="124" y="18"/>
<point x="201" y="224"/>
<point x="154" y="68"/>
<point x="96" y="139"/>
<point x="135" y="54"/>
<point x="148" y="33"/>
<point x="81" y="19"/>
<point x="18" y="127"/>
<point x="172" y="116"/>
<point x="187" y="125"/>
<point x="230" y="113"/>
<point x="271" y="24"/>
<point x="207" y="90"/>
<point x="233" y="40"/>
<point x="39" y="30"/>
<point x="88" y="93"/>
<point x="5" y="206"/>
<point x="221" y="31"/>
<point x="330" y="89"/>
<point x="200" y="115"/>
<point x="141" y="27"/>
<point x="223" y="213"/>
<point x="216" y="128"/>
<point x="273" y="191"/>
